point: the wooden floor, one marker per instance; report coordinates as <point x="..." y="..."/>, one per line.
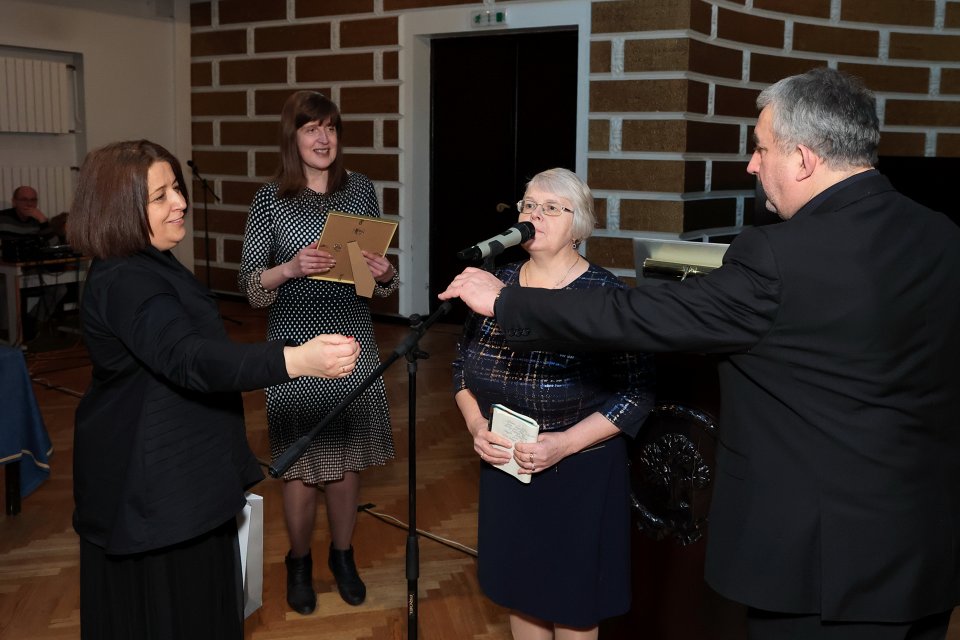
<point x="39" y="572"/>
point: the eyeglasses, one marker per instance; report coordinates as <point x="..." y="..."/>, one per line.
<point x="549" y="208"/>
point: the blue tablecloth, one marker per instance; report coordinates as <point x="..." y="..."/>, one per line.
<point x="23" y="436"/>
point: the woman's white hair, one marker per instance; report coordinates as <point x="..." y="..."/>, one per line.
<point x="566" y="184"/>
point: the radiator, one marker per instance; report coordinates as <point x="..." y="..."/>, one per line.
<point x="35" y="96"/>
<point x="54" y="186"/>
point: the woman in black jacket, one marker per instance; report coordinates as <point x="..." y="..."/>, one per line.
<point x="161" y="460"/>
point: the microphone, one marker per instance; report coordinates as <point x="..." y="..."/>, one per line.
<point x="202" y="180"/>
<point x="517" y="234"/>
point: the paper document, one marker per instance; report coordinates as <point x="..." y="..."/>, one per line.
<point x="518" y="428"/>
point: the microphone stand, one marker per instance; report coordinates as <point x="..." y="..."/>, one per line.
<point x="410" y="349"/>
<point x="206" y="225"/>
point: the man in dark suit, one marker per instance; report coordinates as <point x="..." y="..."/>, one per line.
<point x="836" y="508"/>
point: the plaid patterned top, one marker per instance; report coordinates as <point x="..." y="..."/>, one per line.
<point x="555" y="389"/>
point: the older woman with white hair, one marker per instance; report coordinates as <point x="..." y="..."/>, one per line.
<point x="554" y="551"/>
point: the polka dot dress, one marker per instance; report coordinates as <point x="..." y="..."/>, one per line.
<point x="361" y="436"/>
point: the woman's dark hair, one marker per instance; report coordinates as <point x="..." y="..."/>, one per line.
<point x="299" y="109"/>
<point x="108" y="218"/>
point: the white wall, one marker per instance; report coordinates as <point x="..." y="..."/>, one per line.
<point x="135" y="66"/>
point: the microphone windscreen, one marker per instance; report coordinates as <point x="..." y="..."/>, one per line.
<point x="526" y="230"/>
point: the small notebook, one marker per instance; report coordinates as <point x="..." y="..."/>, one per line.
<point x="518" y="428"/>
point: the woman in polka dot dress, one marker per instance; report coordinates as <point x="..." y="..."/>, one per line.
<point x="285" y="221"/>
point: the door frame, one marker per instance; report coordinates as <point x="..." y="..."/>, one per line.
<point x="416" y="30"/>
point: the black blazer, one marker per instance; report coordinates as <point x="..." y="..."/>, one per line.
<point x="160" y="453"/>
<point x="838" y="470"/>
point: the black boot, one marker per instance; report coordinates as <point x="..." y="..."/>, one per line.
<point x="349" y="584"/>
<point x="300" y="594"/>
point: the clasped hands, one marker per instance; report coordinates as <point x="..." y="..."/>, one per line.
<point x="547" y="451"/>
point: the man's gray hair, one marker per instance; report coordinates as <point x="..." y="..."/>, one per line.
<point x="830" y="112"/>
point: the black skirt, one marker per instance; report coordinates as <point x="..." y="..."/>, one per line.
<point x="191" y="590"/>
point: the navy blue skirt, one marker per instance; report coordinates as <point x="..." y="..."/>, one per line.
<point x="558" y="549"/>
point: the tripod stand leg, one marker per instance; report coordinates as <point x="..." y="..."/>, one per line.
<point x="413" y="548"/>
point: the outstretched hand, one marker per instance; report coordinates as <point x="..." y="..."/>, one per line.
<point x="476" y="287"/>
<point x="325" y="356"/>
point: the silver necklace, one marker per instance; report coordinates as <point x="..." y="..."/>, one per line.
<point x="523" y="276"/>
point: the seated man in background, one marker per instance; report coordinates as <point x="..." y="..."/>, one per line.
<point x="25" y="219"/>
<point x="24" y="228"/>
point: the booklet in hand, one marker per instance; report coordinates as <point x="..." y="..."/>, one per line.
<point x="518" y="428"/>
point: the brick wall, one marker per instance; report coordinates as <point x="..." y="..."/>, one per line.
<point x="673" y="85"/>
<point x="247" y="57"/>
<point x="671" y="95"/>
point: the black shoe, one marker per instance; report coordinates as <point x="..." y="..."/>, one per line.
<point x="349" y="584"/>
<point x="300" y="594"/>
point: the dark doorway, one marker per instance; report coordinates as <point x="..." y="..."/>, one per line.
<point x="928" y="181"/>
<point x="503" y="108"/>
